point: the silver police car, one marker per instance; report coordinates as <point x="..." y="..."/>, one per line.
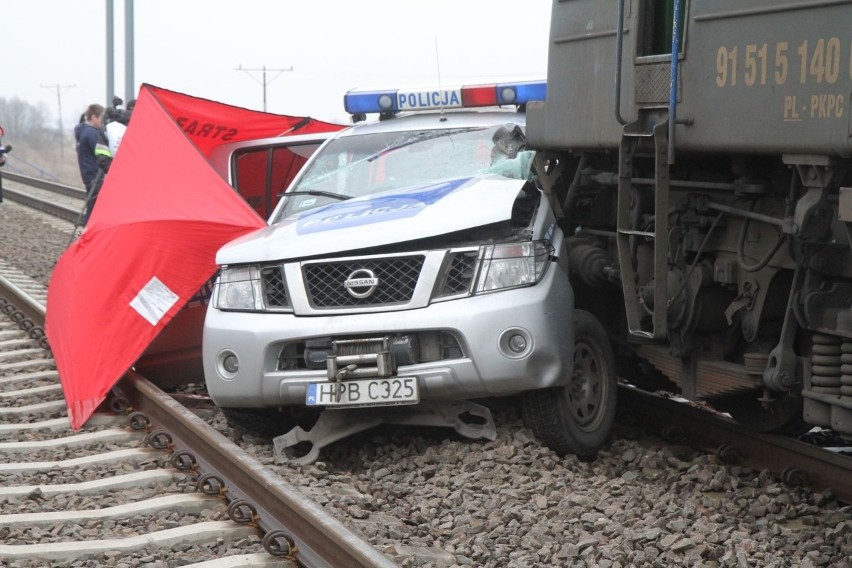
<point x="411" y="267"/>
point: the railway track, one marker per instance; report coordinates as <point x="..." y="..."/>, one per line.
<point x="55" y="199"/>
<point x="401" y="488"/>
<point x="794" y="461"/>
<point x="147" y="457"/>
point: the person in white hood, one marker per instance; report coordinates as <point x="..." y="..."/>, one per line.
<point x="116" y="125"/>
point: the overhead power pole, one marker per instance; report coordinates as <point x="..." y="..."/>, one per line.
<point x="58" y="89"/>
<point x="110" y="53"/>
<point x="129" y="52"/>
<point x="264" y="82"/>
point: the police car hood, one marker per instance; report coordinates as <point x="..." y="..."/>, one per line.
<point x="379" y="219"/>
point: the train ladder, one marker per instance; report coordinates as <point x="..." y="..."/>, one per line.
<point x="632" y="135"/>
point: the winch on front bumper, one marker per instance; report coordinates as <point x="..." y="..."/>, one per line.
<point x="361" y="373"/>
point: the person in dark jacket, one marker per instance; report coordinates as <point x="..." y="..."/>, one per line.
<point x="93" y="155"/>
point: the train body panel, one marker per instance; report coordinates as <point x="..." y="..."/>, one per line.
<point x="789" y="64"/>
<point x="720" y="214"/>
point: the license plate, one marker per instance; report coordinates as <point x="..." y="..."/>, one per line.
<point x="364" y="392"/>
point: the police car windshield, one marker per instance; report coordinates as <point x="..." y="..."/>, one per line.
<point x="366" y="164"/>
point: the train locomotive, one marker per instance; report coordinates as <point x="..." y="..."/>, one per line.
<point x="699" y="155"/>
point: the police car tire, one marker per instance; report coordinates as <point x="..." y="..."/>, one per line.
<point x="549" y="413"/>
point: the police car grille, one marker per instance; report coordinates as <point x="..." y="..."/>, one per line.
<point x="460" y="273"/>
<point x="397" y="278"/>
<point x="274" y="289"/>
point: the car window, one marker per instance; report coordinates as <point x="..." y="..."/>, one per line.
<point x="366" y="164"/>
<point x="260" y="171"/>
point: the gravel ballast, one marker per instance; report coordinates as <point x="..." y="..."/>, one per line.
<point x="430" y="498"/>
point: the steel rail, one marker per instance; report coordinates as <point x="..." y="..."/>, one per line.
<point x="24" y="310"/>
<point x="316" y="538"/>
<point x="274" y="505"/>
<point x="19" y="301"/>
<point x="53" y="209"/>
<point x="55" y="187"/>
<point x="793" y="461"/>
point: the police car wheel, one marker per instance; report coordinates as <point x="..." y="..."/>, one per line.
<point x="577" y="418"/>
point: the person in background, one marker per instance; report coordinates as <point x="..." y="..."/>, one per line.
<point x="90" y="150"/>
<point x="117" y="120"/>
<point x="114" y="129"/>
<point x="93" y="155"/>
<point x="3" y="151"/>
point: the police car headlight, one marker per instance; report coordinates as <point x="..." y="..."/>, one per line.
<point x="512" y="265"/>
<point x="238" y="289"/>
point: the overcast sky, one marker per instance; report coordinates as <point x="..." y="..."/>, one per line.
<point x="196" y="46"/>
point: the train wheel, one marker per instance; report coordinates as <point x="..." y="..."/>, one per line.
<point x="577" y="418"/>
<point x="781" y="416"/>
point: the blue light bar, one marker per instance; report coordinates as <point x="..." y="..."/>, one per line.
<point x="521" y="93"/>
<point x="370" y="101"/>
<point x="468" y="96"/>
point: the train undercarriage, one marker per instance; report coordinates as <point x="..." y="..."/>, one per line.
<point x="725" y="277"/>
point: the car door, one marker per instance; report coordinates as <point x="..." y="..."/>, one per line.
<point x="260" y="170"/>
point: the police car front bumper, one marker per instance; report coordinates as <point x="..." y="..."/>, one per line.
<point x="483" y="325"/>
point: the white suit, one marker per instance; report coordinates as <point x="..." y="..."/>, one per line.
<point x="114" y="133"/>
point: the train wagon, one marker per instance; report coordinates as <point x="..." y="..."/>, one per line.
<point x="698" y="154"/>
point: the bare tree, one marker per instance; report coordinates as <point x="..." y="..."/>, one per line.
<point x="37" y="150"/>
<point x="21" y="119"/>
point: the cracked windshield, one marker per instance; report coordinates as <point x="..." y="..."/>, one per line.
<point x="354" y="166"/>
